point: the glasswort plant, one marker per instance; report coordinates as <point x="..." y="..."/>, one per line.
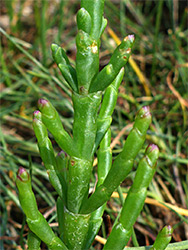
<point x="94" y="96"/>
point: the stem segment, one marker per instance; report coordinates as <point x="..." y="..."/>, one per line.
<point x="35" y="220"/>
<point x="122" y="164"/>
<point x="134" y="202"/>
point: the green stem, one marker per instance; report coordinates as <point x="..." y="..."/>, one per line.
<point x="35" y="220"/>
<point x="104" y="118"/>
<point x="122" y="164"/>
<point x="47" y="155"/>
<point x="68" y="72"/>
<point x="33" y="241"/>
<point x="52" y="121"/>
<point x="79" y="174"/>
<point x="85" y="126"/>
<point x="104" y="157"/>
<point x="87" y="60"/>
<point x="74" y="230"/>
<point x="95" y="10"/>
<point x="118" y="60"/>
<point x="122" y="231"/>
<point x="183" y="245"/>
<point x="163" y="238"/>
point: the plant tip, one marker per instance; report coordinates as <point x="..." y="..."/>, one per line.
<point x="42" y="102"/>
<point x="146" y="108"/>
<point x="131" y="38"/>
<point x="144" y="112"/>
<point x="22" y="174"/>
<point x="169" y="228"/>
<point x="151" y="147"/>
<point x="54" y="46"/>
<point x="36" y="114"/>
<point x="62" y="152"/>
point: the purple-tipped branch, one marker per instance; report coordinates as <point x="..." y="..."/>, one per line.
<point x="52" y="121"/>
<point x="134" y="202"/>
<point x="35" y="220"/>
<point x="122" y="164"/>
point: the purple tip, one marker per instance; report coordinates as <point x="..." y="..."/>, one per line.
<point x="37" y="115"/>
<point x="21" y="170"/>
<point x="144" y="112"/>
<point x="42" y="102"/>
<point x="146" y="108"/>
<point x="131" y="38"/>
<point x="151" y="147"/>
<point x="62" y="152"/>
<point x="170" y="230"/>
<point x="36" y="112"/>
<point x="22" y="174"/>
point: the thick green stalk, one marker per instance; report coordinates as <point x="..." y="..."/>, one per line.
<point x="84" y="133"/>
<point x="53" y="123"/>
<point x="35" y="220"/>
<point x="122" y="164"/>
<point x="104" y="157"/>
<point x="85" y="126"/>
<point x="79" y="174"/>
<point x="74" y="230"/>
<point x="62" y="166"/>
<point x="60" y="207"/>
<point x="163" y="238"/>
<point x="68" y="72"/>
<point x="104" y="118"/>
<point x="87" y="60"/>
<point x="84" y="20"/>
<point x="74" y="226"/>
<point x="47" y="155"/>
<point x="95" y="10"/>
<point x="118" y="60"/>
<point x="33" y="241"/>
<point x="91" y="25"/>
<point x="134" y="202"/>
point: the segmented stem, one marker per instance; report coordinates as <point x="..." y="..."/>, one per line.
<point x="118" y="60"/>
<point x="163" y="238"/>
<point x="53" y="123"/>
<point x="134" y="202"/>
<point x="47" y="154"/>
<point x="122" y="164"/>
<point x="104" y="157"/>
<point x="35" y="220"/>
<point x="104" y="118"/>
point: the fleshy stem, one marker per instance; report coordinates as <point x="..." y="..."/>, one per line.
<point x="33" y="241"/>
<point x="122" y="164"/>
<point x="47" y="155"/>
<point x="163" y="238"/>
<point x="104" y="156"/>
<point x="52" y="121"/>
<point x="118" y="60"/>
<point x="35" y="220"/>
<point x="79" y="217"/>
<point x="104" y="118"/>
<point x="134" y="202"/>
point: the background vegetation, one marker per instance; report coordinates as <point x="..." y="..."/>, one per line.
<point x="161" y="81"/>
